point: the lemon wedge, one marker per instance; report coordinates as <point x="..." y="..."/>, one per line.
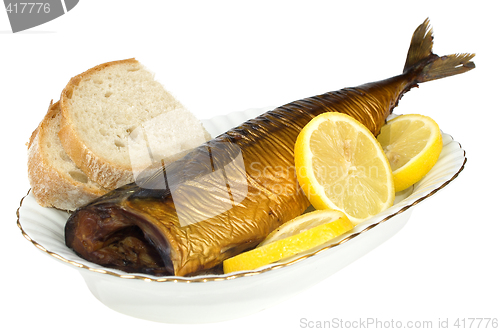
<point x="296" y="236"/>
<point x="340" y="165"/>
<point x="412" y="144"/>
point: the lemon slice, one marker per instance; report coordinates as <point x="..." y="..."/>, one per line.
<point x="305" y="222"/>
<point x="412" y="144"/>
<point x="341" y="166"/>
<point x="296" y="236"/>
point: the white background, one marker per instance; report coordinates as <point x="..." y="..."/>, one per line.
<point x="218" y="57"/>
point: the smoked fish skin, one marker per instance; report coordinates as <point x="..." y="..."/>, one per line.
<point x="227" y="195"/>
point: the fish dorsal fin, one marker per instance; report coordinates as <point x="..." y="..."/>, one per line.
<point x="420" y="46"/>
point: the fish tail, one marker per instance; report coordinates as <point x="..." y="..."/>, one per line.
<point x="429" y="66"/>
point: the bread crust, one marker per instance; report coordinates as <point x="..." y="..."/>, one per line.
<point x="50" y="186"/>
<point x="97" y="168"/>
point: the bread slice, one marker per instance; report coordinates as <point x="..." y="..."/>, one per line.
<point x="55" y="180"/>
<point x="104" y="105"/>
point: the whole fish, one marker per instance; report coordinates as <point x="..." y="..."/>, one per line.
<point x="227" y="195"/>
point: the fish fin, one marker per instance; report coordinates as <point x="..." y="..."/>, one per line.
<point x="420" y="46"/>
<point x="447" y="65"/>
<point x="429" y="65"/>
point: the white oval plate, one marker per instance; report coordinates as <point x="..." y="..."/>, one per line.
<point x="214" y="298"/>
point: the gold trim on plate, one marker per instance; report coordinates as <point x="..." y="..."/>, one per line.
<point x="205" y="279"/>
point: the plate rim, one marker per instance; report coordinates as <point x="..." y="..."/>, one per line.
<point x="241" y="274"/>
